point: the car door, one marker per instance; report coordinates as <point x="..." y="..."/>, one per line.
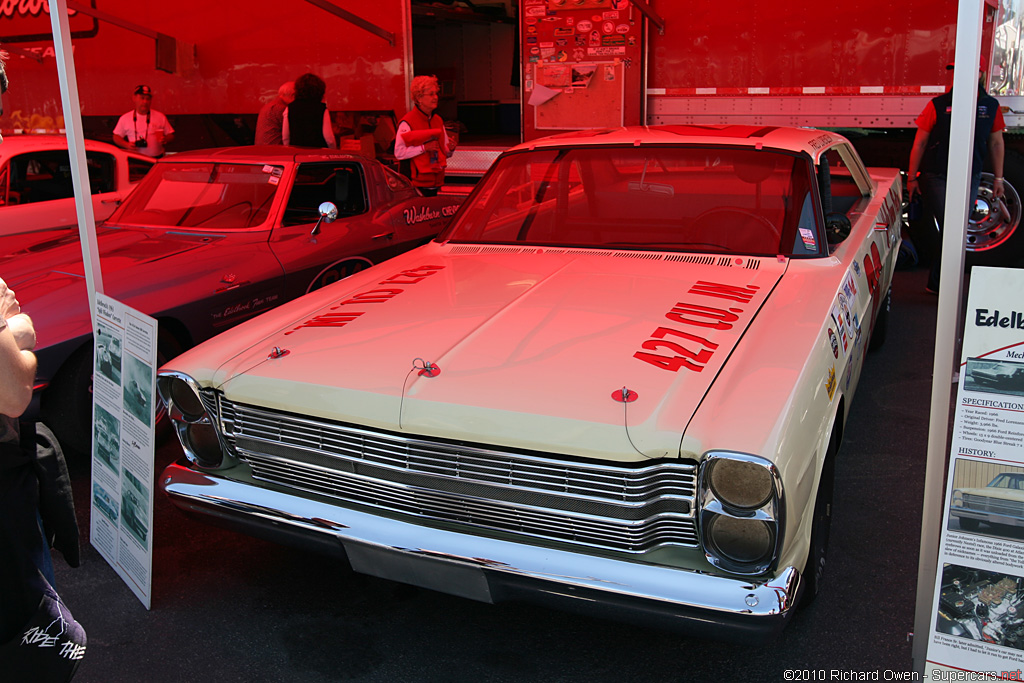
<point x="36" y="190"/>
<point x="861" y="289"/>
<point x="313" y="256"/>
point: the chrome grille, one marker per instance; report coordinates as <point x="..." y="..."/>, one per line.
<point x="998" y="506"/>
<point x="627" y="509"/>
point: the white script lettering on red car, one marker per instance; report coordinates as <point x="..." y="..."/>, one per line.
<point x="425" y="213"/>
<point x="691" y="314"/>
<point x="410" y="276"/>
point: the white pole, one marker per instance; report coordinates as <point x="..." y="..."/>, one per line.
<point x="958" y="187"/>
<point x="76" y="150"/>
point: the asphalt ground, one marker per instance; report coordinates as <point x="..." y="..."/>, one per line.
<point x="227" y="607"/>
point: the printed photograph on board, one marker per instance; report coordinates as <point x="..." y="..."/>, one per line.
<point x="988" y="499"/>
<point x="108" y="353"/>
<point x="134" y="508"/>
<point x="138" y="389"/>
<point x="981" y="605"/>
<point x="107" y="439"/>
<point x="104" y="502"/>
<point x="994" y="376"/>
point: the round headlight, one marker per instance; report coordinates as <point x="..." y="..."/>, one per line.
<point x="740" y="484"/>
<point x="745" y="541"/>
<point x="186" y="400"/>
<point x="202" y="445"/>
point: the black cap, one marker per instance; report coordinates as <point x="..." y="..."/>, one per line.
<point x="143" y="90"/>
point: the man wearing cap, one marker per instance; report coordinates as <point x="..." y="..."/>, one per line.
<point x="929" y="157"/>
<point x="143" y="129"/>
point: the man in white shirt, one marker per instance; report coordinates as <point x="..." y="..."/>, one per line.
<point x="143" y="129"/>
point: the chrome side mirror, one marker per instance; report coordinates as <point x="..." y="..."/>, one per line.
<point x="328" y="212"/>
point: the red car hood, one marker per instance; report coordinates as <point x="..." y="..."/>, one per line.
<point x="46" y="271"/>
<point x="533" y="348"/>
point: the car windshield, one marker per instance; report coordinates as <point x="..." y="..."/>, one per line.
<point x="1008" y="481"/>
<point x="202" y="195"/>
<point x="698" y="198"/>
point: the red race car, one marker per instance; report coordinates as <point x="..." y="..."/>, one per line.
<point x="208" y="239"/>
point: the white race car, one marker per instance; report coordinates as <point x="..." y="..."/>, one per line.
<point x="617" y="382"/>
<point x="36" y="191"/>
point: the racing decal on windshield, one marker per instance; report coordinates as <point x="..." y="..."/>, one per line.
<point x="698" y="349"/>
<point x="808" y="238"/>
<point x="406" y="277"/>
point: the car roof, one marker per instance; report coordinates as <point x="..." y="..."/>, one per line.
<point x="31" y="142"/>
<point x="263" y="154"/>
<point x="809" y="140"/>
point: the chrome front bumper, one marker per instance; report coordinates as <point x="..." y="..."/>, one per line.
<point x="987" y="516"/>
<point x="493" y="570"/>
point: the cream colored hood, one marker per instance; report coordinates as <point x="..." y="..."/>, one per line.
<point x="532" y="347"/>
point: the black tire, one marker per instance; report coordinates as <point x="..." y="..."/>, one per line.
<point x="821" y="529"/>
<point x="996" y="237"/>
<point x="969" y="524"/>
<point x="881" y="328"/>
<point x="67" y="405"/>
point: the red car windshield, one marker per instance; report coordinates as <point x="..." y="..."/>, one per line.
<point x="202" y="195"/>
<point x="700" y="199"/>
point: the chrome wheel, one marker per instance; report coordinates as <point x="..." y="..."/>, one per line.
<point x="993" y="221"/>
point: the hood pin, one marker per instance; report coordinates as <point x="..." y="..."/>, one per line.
<point x="277" y="352"/>
<point x="624" y="395"/>
<point x="426" y="368"/>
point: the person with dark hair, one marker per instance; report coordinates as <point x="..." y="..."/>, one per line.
<point x="307" y="122"/>
<point x="143" y="129"/>
<point x="39" y="639"/>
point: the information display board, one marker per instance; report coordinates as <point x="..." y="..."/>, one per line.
<point x="978" y="609"/>
<point x="123" y="446"/>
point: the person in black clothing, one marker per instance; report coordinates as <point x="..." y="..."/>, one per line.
<point x="929" y="157"/>
<point x="307" y="123"/>
<point x="39" y="639"/>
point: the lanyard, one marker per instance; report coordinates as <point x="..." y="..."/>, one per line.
<point x="135" y="119"/>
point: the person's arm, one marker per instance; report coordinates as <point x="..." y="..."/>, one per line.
<point x="329" y="131"/>
<point x="121" y="137"/>
<point x="286" y="131"/>
<point x="403" y="151"/>
<point x="17" y="362"/>
<point x="916" y="154"/>
<point x="122" y="142"/>
<point x="18" y="368"/>
<point x="449" y="148"/>
<point x="168" y="134"/>
<point x="997" y="152"/>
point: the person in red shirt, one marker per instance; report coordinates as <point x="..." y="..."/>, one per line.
<point x="929" y="157"/>
<point x="421" y="143"/>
